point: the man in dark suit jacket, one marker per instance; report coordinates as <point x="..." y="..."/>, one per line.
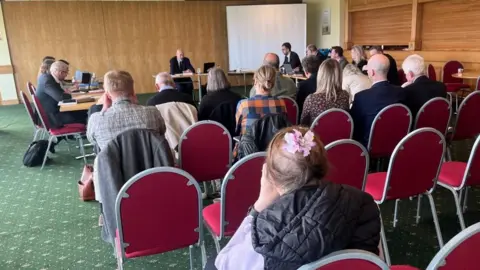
<point x="392" y="75"/>
<point x="178" y="65"/>
<point x="50" y="92"/>
<point x="309" y="86"/>
<point x="291" y="58"/>
<point x="167" y="92"/>
<point x="419" y="88"/>
<point x="368" y="103"/>
<point x="313" y="50"/>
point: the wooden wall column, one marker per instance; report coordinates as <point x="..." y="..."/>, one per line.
<point x="348" y="27"/>
<point x="415" y="37"/>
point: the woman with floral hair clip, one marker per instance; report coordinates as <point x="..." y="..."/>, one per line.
<point x="300" y="216"/>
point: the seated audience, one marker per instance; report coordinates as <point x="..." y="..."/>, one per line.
<point x="45" y="66"/>
<point x="180" y="64"/>
<point x="368" y="103"/>
<point x="309" y="86"/>
<point x="359" y="58"/>
<point x="420" y="88"/>
<point x="263" y="103"/>
<point x="329" y="93"/>
<point x="354" y="80"/>
<point x="218" y="92"/>
<point x="300" y="216"/>
<point x="167" y="92"/>
<point x="50" y="92"/>
<point x="312" y="50"/>
<point x="121" y="112"/>
<point x="283" y="86"/>
<point x="291" y="58"/>
<point x="392" y="76"/>
<point x="337" y="54"/>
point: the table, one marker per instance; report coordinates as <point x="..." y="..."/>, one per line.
<point x="192" y="75"/>
<point x="82" y="106"/>
<point x="467" y="75"/>
<point x="244" y="73"/>
<point x="296" y="77"/>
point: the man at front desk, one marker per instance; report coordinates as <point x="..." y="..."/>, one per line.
<point x="180" y="64"/>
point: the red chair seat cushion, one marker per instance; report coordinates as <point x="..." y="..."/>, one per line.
<point x="454" y="87"/>
<point x="211" y="215"/>
<point x="68" y="129"/>
<point x="376" y="184"/>
<point x="452" y="173"/>
<point x="403" y="267"/>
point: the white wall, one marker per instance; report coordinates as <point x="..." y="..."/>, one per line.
<point x="7" y="82"/>
<point x="314" y="22"/>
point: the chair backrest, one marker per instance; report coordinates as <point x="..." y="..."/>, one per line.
<point x="467" y="125"/>
<point x="431" y="72"/>
<point x="348" y="259"/>
<point x="292" y="109"/>
<point x="460" y="252"/>
<point x="332" y="125"/>
<point x="415" y="164"/>
<point x="41" y="113"/>
<point x="477" y="85"/>
<point x="31" y="89"/>
<point x="240" y="189"/>
<point x="435" y="113"/>
<point x="29" y="108"/>
<point x="451" y="67"/>
<point x="205" y="151"/>
<point x="349" y="163"/>
<point x="159" y="210"/>
<point x="390" y="125"/>
<point x="471" y="177"/>
<point x="401" y="76"/>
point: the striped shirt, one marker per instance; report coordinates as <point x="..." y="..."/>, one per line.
<point x="251" y="109"/>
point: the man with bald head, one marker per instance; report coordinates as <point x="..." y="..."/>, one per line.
<point x="180" y="64"/>
<point x="167" y="92"/>
<point x="283" y="86"/>
<point x="368" y="103"/>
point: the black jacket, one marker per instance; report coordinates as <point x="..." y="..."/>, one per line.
<point x="214" y="99"/>
<point x="360" y="65"/>
<point x="294" y="61"/>
<point x="305" y="88"/>
<point x="170" y="95"/>
<point x="49" y="93"/>
<point x="392" y="75"/>
<point x="307" y="224"/>
<point x="422" y="90"/>
<point x="260" y="134"/>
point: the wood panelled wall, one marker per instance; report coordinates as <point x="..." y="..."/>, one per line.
<point x="139" y="37"/>
<point x="439" y="30"/>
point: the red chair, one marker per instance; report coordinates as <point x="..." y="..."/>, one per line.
<point x="223" y="219"/>
<point x="349" y="163"/>
<point x="413" y="170"/>
<point x="458" y="176"/>
<point x="38" y="129"/>
<point x="332" y="125"/>
<point x="467" y="125"/>
<point x="389" y="127"/>
<point x="431" y="73"/>
<point x="76" y="130"/>
<point x="292" y="109"/>
<point x="435" y="114"/>
<point x="205" y="151"/>
<point x="158" y="210"/>
<point x="477" y="85"/>
<point x="460" y="252"/>
<point x="401" y="76"/>
<point x="352" y="259"/>
<point x="31" y="89"/>
<point x="453" y="84"/>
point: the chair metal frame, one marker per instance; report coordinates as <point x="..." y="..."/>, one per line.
<point x="345" y="255"/>
<point x="296" y="108"/>
<point x="36" y="129"/>
<point x="31" y="89"/>
<point x="350" y="119"/>
<point x="122" y="194"/>
<point x="422" y="109"/>
<point x="364" y="153"/>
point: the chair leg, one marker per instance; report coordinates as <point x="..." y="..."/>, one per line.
<point x="465" y="198"/>
<point x="435" y="220"/>
<point x="205" y="187"/>
<point x="457" y="205"/>
<point x="449" y="153"/>
<point x="386" y="254"/>
<point x="118" y="253"/>
<point x="204" y="254"/>
<point x="46" y="152"/>
<point x="36" y="134"/>
<point x="419" y="203"/>
<point x="191" y="256"/>
<point x="395" y="220"/>
<point x="82" y="149"/>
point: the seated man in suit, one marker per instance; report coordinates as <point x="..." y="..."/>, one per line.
<point x="50" y="92"/>
<point x="392" y="76"/>
<point x="419" y="88"/>
<point x="337" y="54"/>
<point x="291" y="58"/>
<point x="312" y="50"/>
<point x="283" y="86"/>
<point x="368" y="103"/>
<point x="167" y="92"/>
<point x="178" y="65"/>
<point x="309" y="86"/>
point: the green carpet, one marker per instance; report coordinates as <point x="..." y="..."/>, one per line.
<point x="44" y="225"/>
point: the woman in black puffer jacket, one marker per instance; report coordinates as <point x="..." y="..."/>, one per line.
<point x="300" y="216"/>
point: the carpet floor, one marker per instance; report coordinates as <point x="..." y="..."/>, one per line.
<point x="43" y="224"/>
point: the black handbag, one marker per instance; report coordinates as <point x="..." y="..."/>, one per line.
<point x="35" y="153"/>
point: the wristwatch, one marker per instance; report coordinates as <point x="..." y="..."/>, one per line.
<point x="252" y="212"/>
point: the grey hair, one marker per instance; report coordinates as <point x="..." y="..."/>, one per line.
<point x="217" y="80"/>
<point x="58" y="66"/>
<point x="164" y="78"/>
<point x="351" y="69"/>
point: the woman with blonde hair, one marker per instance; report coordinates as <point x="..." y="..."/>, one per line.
<point x="359" y="57"/>
<point x="300" y="216"/>
<point x="354" y="80"/>
<point x="329" y="93"/>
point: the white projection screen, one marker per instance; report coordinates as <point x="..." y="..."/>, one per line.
<point x="256" y="30"/>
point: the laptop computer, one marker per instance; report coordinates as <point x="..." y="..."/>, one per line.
<point x="288" y="69"/>
<point x="208" y="66"/>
